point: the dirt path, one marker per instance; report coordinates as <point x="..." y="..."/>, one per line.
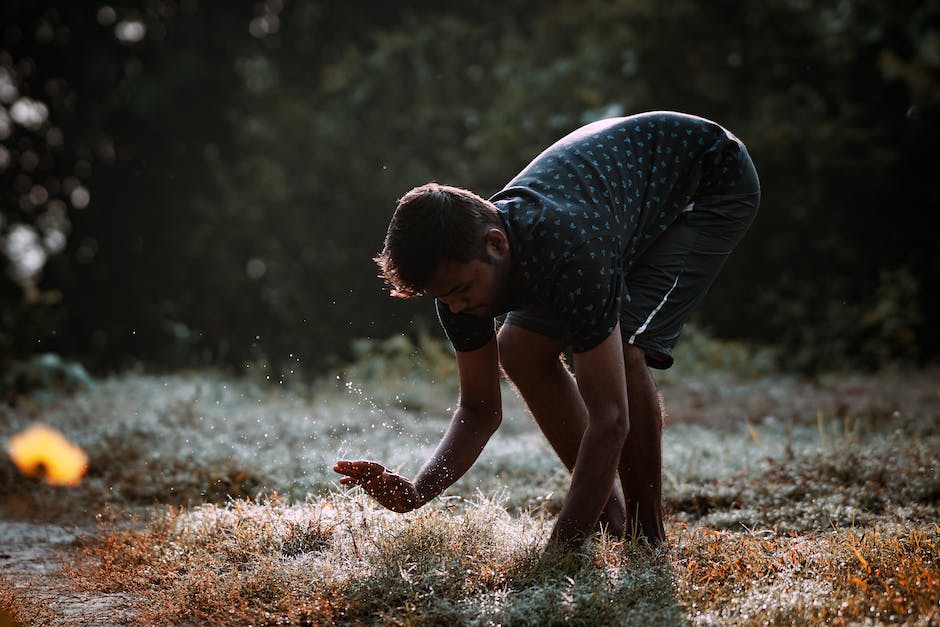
<point x="31" y="559"/>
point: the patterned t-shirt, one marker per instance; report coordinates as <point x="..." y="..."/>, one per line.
<point x="581" y="213"/>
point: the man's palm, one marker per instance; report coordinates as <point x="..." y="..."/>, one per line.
<point x="388" y="488"/>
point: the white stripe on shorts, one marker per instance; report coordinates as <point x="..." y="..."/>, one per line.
<point x="653" y="313"/>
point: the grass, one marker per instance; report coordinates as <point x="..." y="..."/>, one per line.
<point x="343" y="561"/>
<point x="789" y="501"/>
<point x="16" y="610"/>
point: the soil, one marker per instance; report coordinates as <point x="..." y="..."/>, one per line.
<point x="33" y="555"/>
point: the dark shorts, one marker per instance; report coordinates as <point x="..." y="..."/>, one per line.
<point x="665" y="283"/>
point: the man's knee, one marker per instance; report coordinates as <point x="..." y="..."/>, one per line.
<point x="640" y="381"/>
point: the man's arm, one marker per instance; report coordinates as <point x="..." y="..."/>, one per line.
<point x="602" y="383"/>
<point x="478" y="414"/>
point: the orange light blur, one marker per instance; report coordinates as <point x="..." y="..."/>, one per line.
<point x="43" y="452"/>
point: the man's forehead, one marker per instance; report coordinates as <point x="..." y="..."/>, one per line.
<point x="448" y="277"/>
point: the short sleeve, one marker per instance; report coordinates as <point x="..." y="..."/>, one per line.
<point x="465" y="332"/>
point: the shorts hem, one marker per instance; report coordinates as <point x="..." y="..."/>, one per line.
<point x="657" y="356"/>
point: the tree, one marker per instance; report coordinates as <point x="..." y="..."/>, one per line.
<point x="218" y="177"/>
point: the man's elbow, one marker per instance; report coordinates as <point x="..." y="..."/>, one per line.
<point x="487" y="420"/>
<point x="492" y="420"/>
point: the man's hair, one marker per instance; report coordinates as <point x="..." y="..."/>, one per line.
<point x="433" y="224"/>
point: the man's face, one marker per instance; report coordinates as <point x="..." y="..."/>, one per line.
<point x="478" y="287"/>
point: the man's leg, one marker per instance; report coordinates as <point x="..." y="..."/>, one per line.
<point x="641" y="460"/>
<point x="664" y="285"/>
<point x="532" y="362"/>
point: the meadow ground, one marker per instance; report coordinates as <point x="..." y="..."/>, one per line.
<point x="210" y="500"/>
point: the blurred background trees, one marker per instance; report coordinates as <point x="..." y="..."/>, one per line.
<point x="189" y="183"/>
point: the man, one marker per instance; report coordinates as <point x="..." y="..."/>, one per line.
<point x="602" y="245"/>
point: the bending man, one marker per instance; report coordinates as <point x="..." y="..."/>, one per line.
<point x="602" y="246"/>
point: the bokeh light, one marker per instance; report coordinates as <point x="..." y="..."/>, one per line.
<point x="43" y="452"/>
<point x="22" y="246"/>
<point x="130" y="31"/>
<point x="29" y="113"/>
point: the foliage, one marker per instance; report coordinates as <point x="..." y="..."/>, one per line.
<point x="207" y="185"/>
<point x="883" y="326"/>
<point x="699" y="353"/>
<point x="43" y="376"/>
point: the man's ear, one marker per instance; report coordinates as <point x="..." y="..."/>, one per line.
<point x="497" y="242"/>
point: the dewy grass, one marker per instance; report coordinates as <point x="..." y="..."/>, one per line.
<point x="316" y="562"/>
<point x="344" y="561"/>
<point x="788" y="503"/>
<point x="884" y="575"/>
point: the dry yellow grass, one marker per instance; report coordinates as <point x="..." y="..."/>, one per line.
<point x="789" y="502"/>
<point x="17" y="610"/>
<point x="813" y="578"/>
<point x="342" y="561"/>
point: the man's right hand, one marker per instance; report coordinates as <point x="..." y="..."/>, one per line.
<point x="388" y="488"/>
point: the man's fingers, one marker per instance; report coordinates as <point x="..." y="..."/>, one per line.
<point x="359" y="468"/>
<point x="387" y="487"/>
<point x="360" y="465"/>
